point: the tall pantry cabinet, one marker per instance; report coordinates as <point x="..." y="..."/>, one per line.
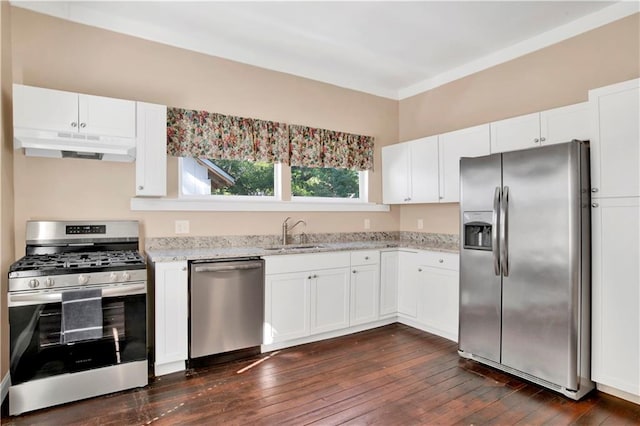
<point x="615" y="220"/>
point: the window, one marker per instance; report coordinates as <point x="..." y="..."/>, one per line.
<point x="260" y="180"/>
<point x="325" y="182"/>
<point x="227" y="177"/>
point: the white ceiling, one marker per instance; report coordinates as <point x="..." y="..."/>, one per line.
<point x="387" y="48"/>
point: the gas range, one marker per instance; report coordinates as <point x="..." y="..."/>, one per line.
<point x="77" y="306"/>
<point x="72" y="254"/>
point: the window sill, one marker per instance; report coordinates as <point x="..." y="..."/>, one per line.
<point x="177" y="204"/>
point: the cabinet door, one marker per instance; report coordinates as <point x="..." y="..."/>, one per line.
<point x="515" y="133"/>
<point x="438" y="300"/>
<point x="388" y="283"/>
<point x="471" y="142"/>
<point x="151" y="150"/>
<point x="107" y="116"/>
<point x="407" y="284"/>
<point x="329" y="300"/>
<point x="171" y="312"/>
<point x="615" y="143"/>
<point x="286" y="306"/>
<point x="564" y="124"/>
<point x="424" y="170"/>
<point x="365" y="290"/>
<point x="44" y="109"/>
<point x="616" y="293"/>
<point x="395" y="173"/>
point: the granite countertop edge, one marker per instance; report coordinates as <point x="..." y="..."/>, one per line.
<point x="216" y="253"/>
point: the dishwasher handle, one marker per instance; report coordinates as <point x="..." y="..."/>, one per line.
<point x="227" y="267"/>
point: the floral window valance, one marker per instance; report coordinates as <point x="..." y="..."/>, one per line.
<point x="203" y="134"/>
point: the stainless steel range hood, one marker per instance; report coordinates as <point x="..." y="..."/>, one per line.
<point x="55" y="144"/>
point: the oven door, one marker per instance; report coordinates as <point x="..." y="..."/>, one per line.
<point x="35" y="325"/>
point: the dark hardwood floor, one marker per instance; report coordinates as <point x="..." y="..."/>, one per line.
<point x="394" y="375"/>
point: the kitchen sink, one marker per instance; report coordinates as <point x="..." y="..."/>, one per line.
<point x="291" y="247"/>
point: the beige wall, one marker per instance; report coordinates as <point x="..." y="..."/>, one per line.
<point x="555" y="76"/>
<point x="54" y="53"/>
<point x="6" y="180"/>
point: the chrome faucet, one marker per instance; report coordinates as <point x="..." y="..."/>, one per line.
<point x="286" y="229"/>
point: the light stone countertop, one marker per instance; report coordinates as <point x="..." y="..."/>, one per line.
<point x="180" y="254"/>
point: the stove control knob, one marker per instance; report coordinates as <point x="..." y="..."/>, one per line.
<point x="33" y="283"/>
<point x="113" y="277"/>
<point x="126" y="276"/>
<point x="83" y="279"/>
<point x="49" y="282"/>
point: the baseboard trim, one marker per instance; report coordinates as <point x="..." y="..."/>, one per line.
<point x="420" y="326"/>
<point x="618" y="393"/>
<point x="4" y="387"/>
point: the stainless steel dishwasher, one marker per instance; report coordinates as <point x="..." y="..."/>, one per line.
<point x="227" y="305"/>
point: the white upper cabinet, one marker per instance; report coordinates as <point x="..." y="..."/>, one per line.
<point x="564" y="124"/>
<point x="410" y="172"/>
<point x="47" y="109"/>
<point x="470" y="142"/>
<point x="515" y="133"/>
<point x="549" y="127"/>
<point x="615" y="142"/>
<point x="151" y="150"/>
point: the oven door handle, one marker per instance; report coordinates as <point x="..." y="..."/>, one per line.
<point x="55" y="297"/>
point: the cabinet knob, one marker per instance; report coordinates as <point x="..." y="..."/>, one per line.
<point x="354" y="271"/>
<point x="594" y="189"/>
<point x="440" y="260"/>
<point x="184" y="268"/>
<point x="74" y="124"/>
<point x="83" y="125"/>
<point x="140" y="187"/>
<point x="594" y="205"/>
<point x="536" y="140"/>
<point x="542" y="139"/>
<point x="366" y="258"/>
<point x="309" y="277"/>
<point x="419" y="269"/>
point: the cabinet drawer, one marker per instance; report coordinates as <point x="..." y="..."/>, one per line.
<point x="365" y="257"/>
<point x="438" y="260"/>
<point x="305" y="262"/>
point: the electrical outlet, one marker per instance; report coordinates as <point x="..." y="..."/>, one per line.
<point x="420" y="224"/>
<point x="367" y="224"/>
<point x="182" y="226"/>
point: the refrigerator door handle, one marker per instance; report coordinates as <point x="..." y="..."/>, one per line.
<point x="504" y="232"/>
<point x="494" y="232"/>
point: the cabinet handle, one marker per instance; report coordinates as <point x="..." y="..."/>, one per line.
<point x="74" y="124"/>
<point x="542" y="139"/>
<point x="594" y="189"/>
<point x="594" y="205"/>
<point x="83" y="125"/>
<point x="536" y="140"/>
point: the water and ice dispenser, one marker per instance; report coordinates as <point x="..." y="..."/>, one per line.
<point x="477" y="230"/>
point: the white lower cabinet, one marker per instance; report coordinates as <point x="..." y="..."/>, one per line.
<point x="428" y="289"/>
<point x="329" y="300"/>
<point x="388" y="283"/>
<point x="171" y="314"/>
<point x="286" y="307"/>
<point x="438" y="291"/>
<point x="616" y="293"/>
<point x="365" y="287"/>
<point x="407" y="284"/>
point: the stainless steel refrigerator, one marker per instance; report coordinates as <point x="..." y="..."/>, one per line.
<point x="525" y="264"/>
